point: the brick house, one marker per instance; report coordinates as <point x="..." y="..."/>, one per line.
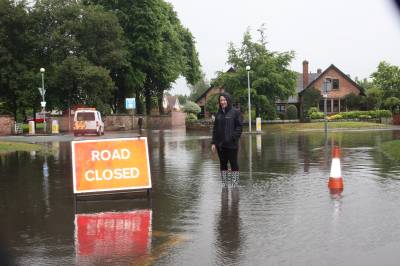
<point x="203" y="98"/>
<point x="340" y="83"/>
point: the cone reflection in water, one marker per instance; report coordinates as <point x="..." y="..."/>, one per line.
<point x="335" y="179"/>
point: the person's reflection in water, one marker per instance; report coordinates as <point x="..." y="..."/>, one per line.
<point x="228" y="228"/>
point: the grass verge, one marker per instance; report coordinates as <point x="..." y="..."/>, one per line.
<point x="320" y="126"/>
<point x="391" y="149"/>
<point x="6" y="147"/>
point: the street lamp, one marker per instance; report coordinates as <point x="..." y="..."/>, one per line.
<point x="43" y="102"/>
<point x="326" y="89"/>
<point x="248" y="86"/>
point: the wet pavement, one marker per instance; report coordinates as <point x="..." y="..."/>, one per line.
<point x="280" y="213"/>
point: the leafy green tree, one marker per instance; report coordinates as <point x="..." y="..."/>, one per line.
<point x="191" y="108"/>
<point x="352" y="101"/>
<point x="310" y="98"/>
<point x="160" y="48"/>
<point x="374" y="98"/>
<point x="79" y="38"/>
<point x="387" y="78"/>
<point x="182" y="99"/>
<point x="16" y="46"/>
<point x="393" y="104"/>
<point x="82" y="83"/>
<point x="199" y="87"/>
<point x="270" y="77"/>
<point x="291" y="111"/>
<point x="212" y="104"/>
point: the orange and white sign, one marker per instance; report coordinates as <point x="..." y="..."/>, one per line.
<point x="110" y="164"/>
<point x="100" y="236"/>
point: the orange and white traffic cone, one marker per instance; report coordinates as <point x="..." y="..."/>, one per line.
<point x="335" y="180"/>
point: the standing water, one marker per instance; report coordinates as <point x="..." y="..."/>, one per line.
<point x="280" y="213"/>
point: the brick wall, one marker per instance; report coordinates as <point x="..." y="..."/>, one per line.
<point x="6" y="125"/>
<point x="345" y="86"/>
<point x="127" y="122"/>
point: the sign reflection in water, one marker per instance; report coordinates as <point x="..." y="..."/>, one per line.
<point x="106" y="235"/>
<point x="259" y="144"/>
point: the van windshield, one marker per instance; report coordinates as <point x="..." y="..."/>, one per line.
<point x="83" y="116"/>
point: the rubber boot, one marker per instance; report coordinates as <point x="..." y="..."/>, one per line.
<point x="235" y="178"/>
<point x="224" y="177"/>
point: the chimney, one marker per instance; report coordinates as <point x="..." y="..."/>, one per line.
<point x="305" y="74"/>
<point x="319" y="71"/>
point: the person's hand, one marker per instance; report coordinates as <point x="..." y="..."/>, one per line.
<point x="213" y="148"/>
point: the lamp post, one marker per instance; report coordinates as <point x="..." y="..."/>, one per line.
<point x="43" y="102"/>
<point x="248" y="86"/>
<point x="325" y="95"/>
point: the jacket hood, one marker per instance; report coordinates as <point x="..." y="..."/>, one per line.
<point x="228" y="98"/>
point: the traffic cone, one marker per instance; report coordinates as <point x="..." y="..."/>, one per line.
<point x="335" y="179"/>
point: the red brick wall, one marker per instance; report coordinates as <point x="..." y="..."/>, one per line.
<point x="6" y="125"/>
<point x="126" y="122"/>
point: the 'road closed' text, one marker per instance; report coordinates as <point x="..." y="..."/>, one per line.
<point x="109" y="174"/>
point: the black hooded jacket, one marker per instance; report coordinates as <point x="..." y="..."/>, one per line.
<point x="227" y="125"/>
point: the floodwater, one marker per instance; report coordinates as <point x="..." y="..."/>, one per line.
<point x="280" y="213"/>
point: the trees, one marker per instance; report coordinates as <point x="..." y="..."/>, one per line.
<point x="387" y="78"/>
<point x="199" y="87"/>
<point x="270" y="77"/>
<point x="82" y="49"/>
<point x="16" y="61"/>
<point x="93" y="54"/>
<point x="160" y="48"/>
<point x="310" y="98"/>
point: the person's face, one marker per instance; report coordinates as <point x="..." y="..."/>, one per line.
<point x="223" y="102"/>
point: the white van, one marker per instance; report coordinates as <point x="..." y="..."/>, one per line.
<point x="88" y="121"/>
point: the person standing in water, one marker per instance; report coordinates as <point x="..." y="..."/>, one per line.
<point x="227" y="130"/>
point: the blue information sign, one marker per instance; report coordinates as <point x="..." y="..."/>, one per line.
<point x="130" y="103"/>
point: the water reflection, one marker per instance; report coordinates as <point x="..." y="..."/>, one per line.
<point x="115" y="237"/>
<point x="46" y="184"/>
<point x="259" y="145"/>
<point x="228" y="233"/>
<point x="284" y="203"/>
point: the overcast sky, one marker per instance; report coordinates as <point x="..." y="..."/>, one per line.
<point x="354" y="35"/>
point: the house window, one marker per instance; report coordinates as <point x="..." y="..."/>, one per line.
<point x="336" y="106"/>
<point x="328" y="106"/>
<point x="335" y="84"/>
<point x="280" y="108"/>
<point x="321" y="106"/>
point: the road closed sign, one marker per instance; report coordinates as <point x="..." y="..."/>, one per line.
<point x="110" y="164"/>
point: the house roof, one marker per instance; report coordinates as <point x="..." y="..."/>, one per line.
<point x="230" y="70"/>
<point x="299" y="85"/>
<point x="203" y="94"/>
<point x="332" y="66"/>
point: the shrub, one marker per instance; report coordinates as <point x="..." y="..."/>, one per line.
<point x="335" y="117"/>
<point x="191" y="108"/>
<point x="246" y="115"/>
<point x="212" y="104"/>
<point x="317" y="115"/>
<point x="312" y="110"/>
<point x="282" y="116"/>
<point x="190" y="117"/>
<point x="291" y="112"/>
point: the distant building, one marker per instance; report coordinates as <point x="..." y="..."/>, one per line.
<point x="341" y="86"/>
<point x="171" y="103"/>
<point x="340" y="83"/>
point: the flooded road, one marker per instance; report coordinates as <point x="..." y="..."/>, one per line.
<point x="281" y="212"/>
